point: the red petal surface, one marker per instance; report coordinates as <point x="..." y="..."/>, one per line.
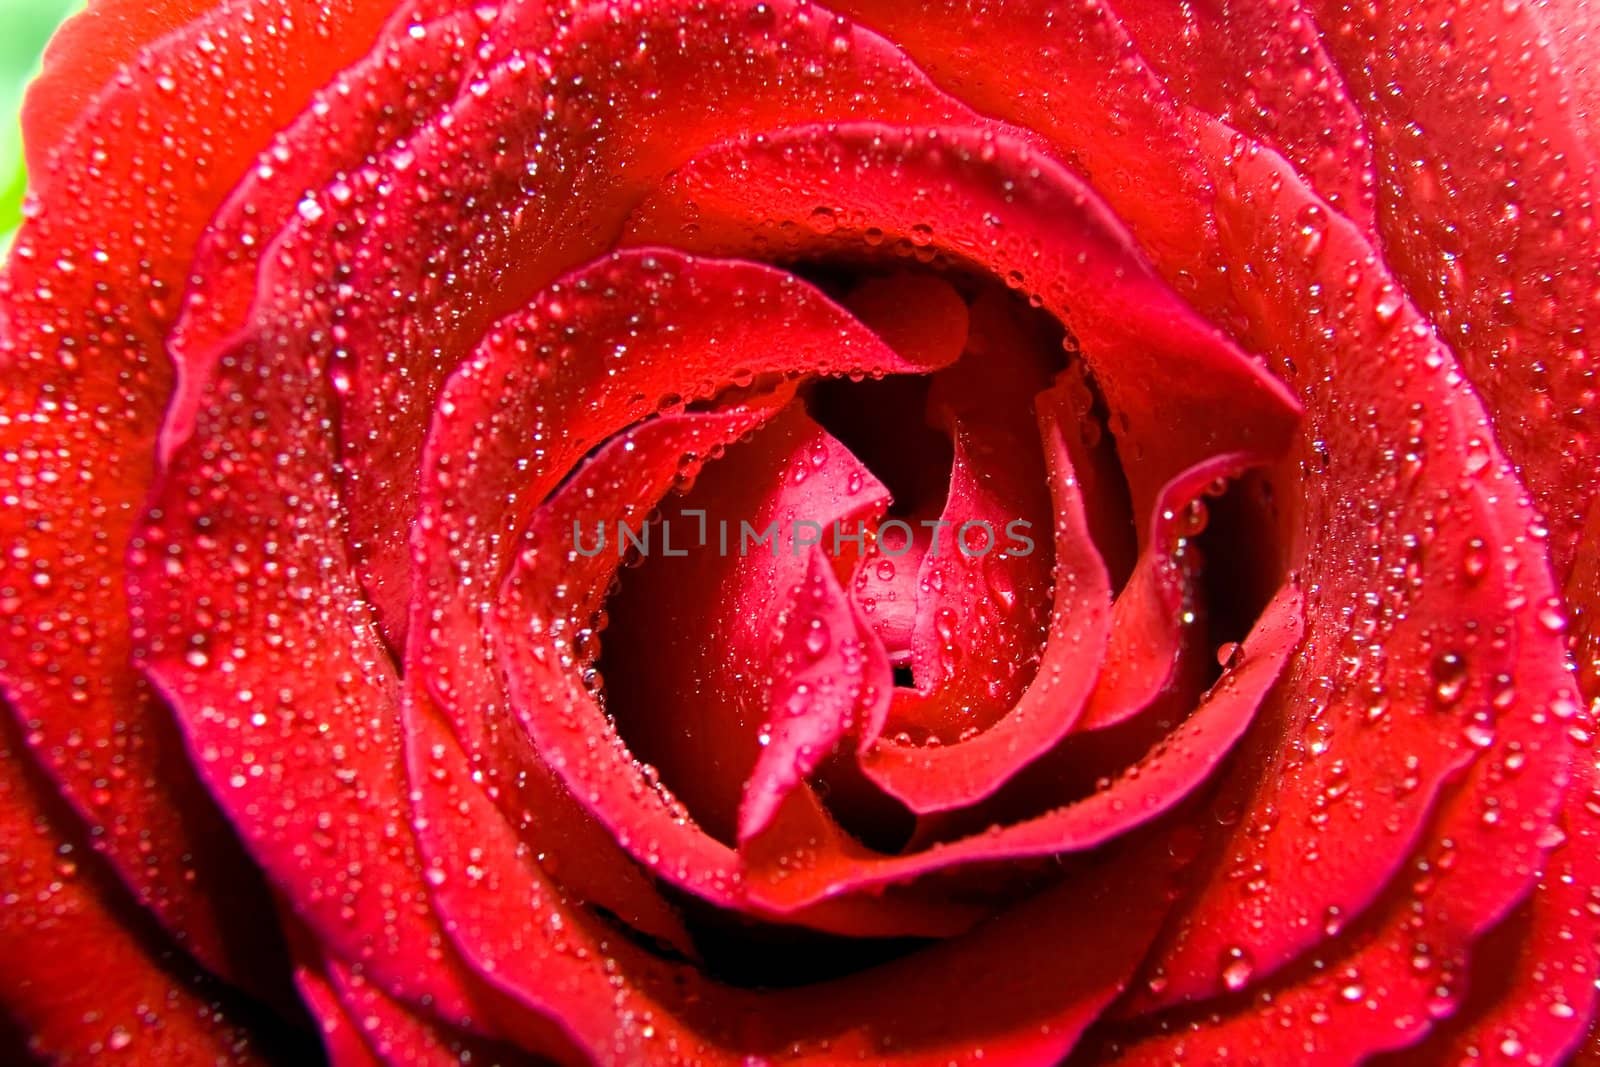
<point x="1262" y="68"/>
<point x="612" y="124"/>
<point x="117" y="211"/>
<point x="537" y="630"/>
<point x="83" y="55"/>
<point x="86" y="976"/>
<point x="983" y="196"/>
<point x="828" y="678"/>
<point x="1487" y="180"/>
<point x="930" y="778"/>
<point x="250" y="622"/>
<point x="1072" y="74"/>
<point x="707" y="643"/>
<point x="982" y="609"/>
<point x="1531" y="987"/>
<point x="368" y="110"/>
<point x="1154" y="786"/>
<point x="1048" y="967"/>
<point x="1392" y="872"/>
<point x="1426" y="652"/>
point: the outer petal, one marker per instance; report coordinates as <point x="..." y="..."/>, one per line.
<point x="1487" y="211"/>
<point x="87" y="976"/>
<point x="1262" y="68"/>
<point x="83" y="387"/>
<point x="1037" y="999"/>
<point x="371" y="109"/>
<point x="83" y="55"/>
<point x="604" y="134"/>
<point x="1372" y="753"/>
<point x="1531" y="988"/>
<point x="249" y="620"/>
<point x="1072" y="74"/>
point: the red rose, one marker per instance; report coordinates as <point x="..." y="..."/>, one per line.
<point x="685" y="532"/>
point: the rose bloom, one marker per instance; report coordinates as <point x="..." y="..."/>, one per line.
<point x="733" y="532"/>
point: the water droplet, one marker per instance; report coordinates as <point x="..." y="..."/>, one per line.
<point x="1313" y="230"/>
<point x="1449" y="677"/>
<point x="823" y="220"/>
<point x="1237" y="969"/>
<point x="816" y="639"/>
<point x="1387" y="307"/>
<point x="1552" y="617"/>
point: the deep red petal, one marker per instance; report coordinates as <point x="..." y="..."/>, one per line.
<point x="362" y="1027"/>
<point x="1073" y="74"/>
<point x="249" y="620"/>
<point x="1406" y="682"/>
<point x="537" y="627"/>
<point x="316" y="158"/>
<point x="828" y="679"/>
<point x="1262" y="68"/>
<point x="85" y="975"/>
<point x="700" y="674"/>
<point x="1153" y="786"/>
<point x="983" y="196"/>
<point x="982" y="608"/>
<point x="1531" y="988"/>
<point x="118" y="212"/>
<point x="1049" y="967"/>
<point x="404" y="269"/>
<point x="933" y="778"/>
<point x="1486" y="210"/>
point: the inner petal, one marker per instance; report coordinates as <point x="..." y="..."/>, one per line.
<point x="697" y="631"/>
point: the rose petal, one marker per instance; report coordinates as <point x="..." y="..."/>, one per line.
<point x="536" y="630"/>
<point x="827" y="679"/>
<point x="1402" y="966"/>
<point x="1487" y="183"/>
<point x="312" y="161"/>
<point x="1156" y="619"/>
<point x="1532" y="981"/>
<point x="83" y="54"/>
<point x="1262" y="68"/>
<point x="503" y="914"/>
<point x="63" y="909"/>
<point x="249" y="620"/>
<point x="603" y="348"/>
<point x="341" y="1039"/>
<point x="1037" y="999"/>
<point x="605" y="134"/>
<point x="956" y="190"/>
<point x="981" y="610"/>
<point x="361" y="1026"/>
<point x="85" y="382"/>
<point x="1155" y="785"/>
<point x="1406" y="680"/>
<point x="700" y="673"/>
<point x="1088" y="93"/>
<point x="933" y="778"/>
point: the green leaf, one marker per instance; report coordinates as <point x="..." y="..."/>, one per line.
<point x="25" y="26"/>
